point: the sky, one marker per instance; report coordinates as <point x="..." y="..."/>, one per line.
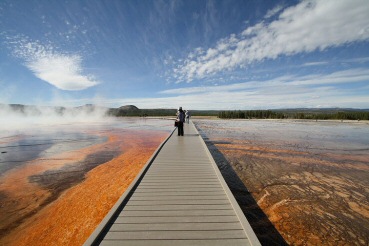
<point x="198" y="54"/>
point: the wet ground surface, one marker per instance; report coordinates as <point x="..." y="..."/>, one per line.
<point x="58" y="181"/>
<point x="29" y="147"/>
<point x="307" y="180"/>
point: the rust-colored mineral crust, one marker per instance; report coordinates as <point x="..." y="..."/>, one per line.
<point x="37" y="211"/>
<point x="313" y="195"/>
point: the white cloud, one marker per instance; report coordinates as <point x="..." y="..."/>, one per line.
<point x="310" y="25"/>
<point x="357" y="60"/>
<point x="321" y="80"/>
<point x="64" y="71"/>
<point x="309" y="64"/>
<point x="273" y="11"/>
<point x="290" y="97"/>
<point x="290" y="91"/>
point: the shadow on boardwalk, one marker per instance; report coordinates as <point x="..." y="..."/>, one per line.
<point x="263" y="228"/>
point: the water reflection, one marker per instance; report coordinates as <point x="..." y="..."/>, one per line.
<point x="30" y="147"/>
<point x="20" y="146"/>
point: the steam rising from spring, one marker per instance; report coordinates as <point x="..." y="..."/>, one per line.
<point x="15" y="116"/>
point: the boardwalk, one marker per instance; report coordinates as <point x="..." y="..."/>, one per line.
<point x="181" y="199"/>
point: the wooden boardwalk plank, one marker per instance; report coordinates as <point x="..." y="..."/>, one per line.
<point x="176" y="226"/>
<point x="169" y="198"/>
<point x="170" y="235"/>
<point x="179" y="189"/>
<point x="180" y="200"/>
<point x="176" y="207"/>
<point x="188" y="185"/>
<point x="214" y="242"/>
<point x="177" y="219"/>
<point x="206" y="212"/>
<point x="179" y="192"/>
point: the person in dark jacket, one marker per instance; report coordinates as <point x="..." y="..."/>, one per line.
<point x="181" y="117"/>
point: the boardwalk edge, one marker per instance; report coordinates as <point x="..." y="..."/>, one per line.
<point x="98" y="233"/>
<point x="244" y="222"/>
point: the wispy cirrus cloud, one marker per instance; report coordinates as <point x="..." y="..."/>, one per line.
<point x="337" y="89"/>
<point x="295" y="97"/>
<point x="308" y="26"/>
<point x="310" y="64"/>
<point x="322" y="80"/>
<point x="289" y="91"/>
<point x="273" y="11"/>
<point x="64" y="71"/>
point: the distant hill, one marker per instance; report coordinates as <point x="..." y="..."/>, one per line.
<point x="128" y="108"/>
<point x="132" y="110"/>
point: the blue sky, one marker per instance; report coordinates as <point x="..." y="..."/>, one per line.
<point x="196" y="54"/>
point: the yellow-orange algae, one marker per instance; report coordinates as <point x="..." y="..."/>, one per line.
<point x="75" y="214"/>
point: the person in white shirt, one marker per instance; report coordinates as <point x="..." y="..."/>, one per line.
<point x="188" y="115"/>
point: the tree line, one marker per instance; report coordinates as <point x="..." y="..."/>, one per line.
<point x="141" y="112"/>
<point x="269" y="114"/>
<point x="249" y="114"/>
<point x="135" y="112"/>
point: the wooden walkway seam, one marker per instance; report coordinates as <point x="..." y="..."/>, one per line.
<point x="178" y="198"/>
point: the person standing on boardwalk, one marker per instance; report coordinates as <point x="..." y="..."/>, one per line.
<point x="188" y="115"/>
<point x="181" y="119"/>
